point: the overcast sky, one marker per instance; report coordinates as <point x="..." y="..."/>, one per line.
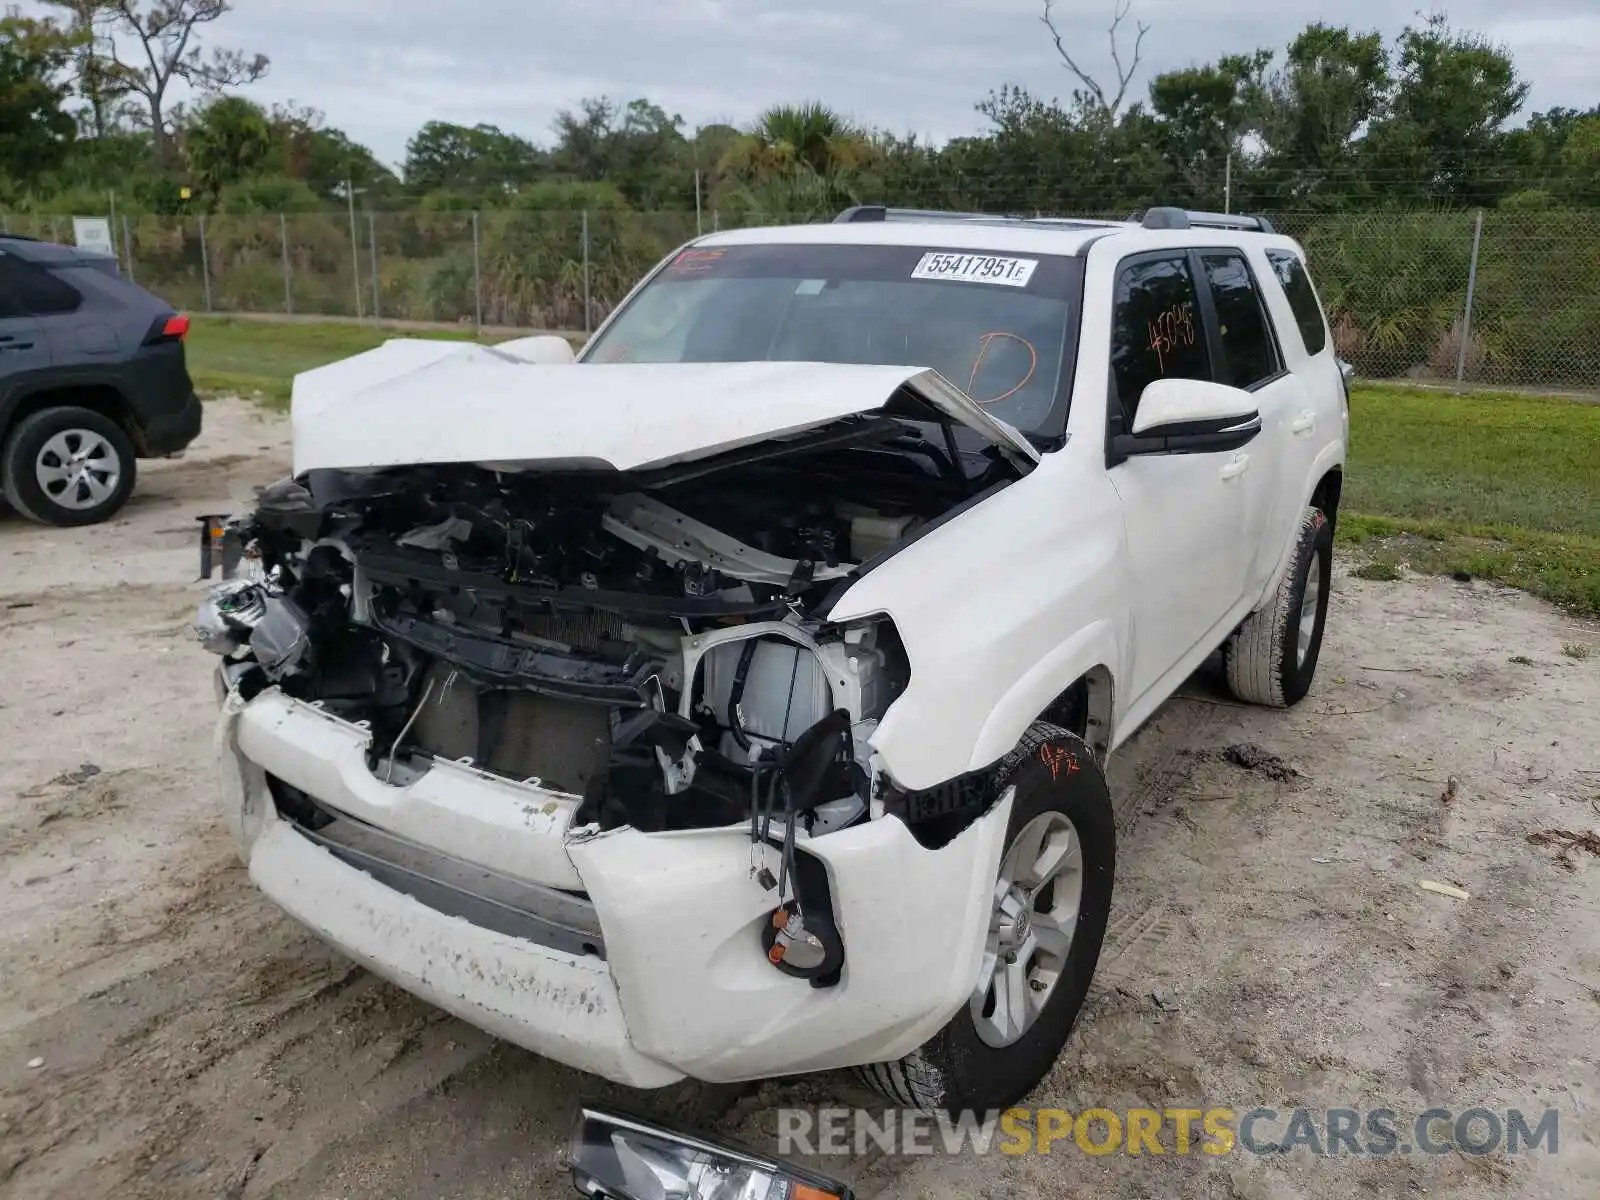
<point x="379" y="68"/>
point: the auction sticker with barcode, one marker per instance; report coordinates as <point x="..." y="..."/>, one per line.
<point x="975" y="268"/>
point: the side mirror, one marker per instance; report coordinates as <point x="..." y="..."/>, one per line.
<point x="1189" y="416"/>
<point x="1186" y="402"/>
<point x="546" y="349"/>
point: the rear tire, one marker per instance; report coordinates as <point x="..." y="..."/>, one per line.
<point x="68" y="466"/>
<point x="1272" y="658"/>
<point x="970" y="1063"/>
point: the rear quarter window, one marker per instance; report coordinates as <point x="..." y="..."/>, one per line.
<point x="1291" y="273"/>
<point x="29" y="290"/>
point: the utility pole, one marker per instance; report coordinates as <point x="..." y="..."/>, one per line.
<point x="355" y="248"/>
<point x="1227" y="183"/>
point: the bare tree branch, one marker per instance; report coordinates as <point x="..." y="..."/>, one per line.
<point x="1124" y="77"/>
<point x="166" y="32"/>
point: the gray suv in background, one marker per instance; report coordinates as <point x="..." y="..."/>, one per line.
<point x="92" y="378"/>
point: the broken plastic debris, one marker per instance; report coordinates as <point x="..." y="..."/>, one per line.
<point x="1444" y="889"/>
<point x="1323" y="861"/>
<point x="35" y="1063"/>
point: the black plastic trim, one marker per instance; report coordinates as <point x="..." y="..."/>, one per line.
<point x="484" y="911"/>
<point x="523" y="667"/>
<point x="395" y="567"/>
<point x="1127" y="445"/>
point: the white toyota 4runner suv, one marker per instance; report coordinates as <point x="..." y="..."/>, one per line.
<point x="732" y="701"/>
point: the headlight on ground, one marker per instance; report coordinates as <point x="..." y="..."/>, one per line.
<point x="620" y="1158"/>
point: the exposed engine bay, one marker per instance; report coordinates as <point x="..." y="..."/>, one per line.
<point x="649" y="641"/>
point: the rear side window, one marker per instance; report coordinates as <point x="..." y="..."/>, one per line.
<point x="1291" y="273"/>
<point x="29" y="290"/>
<point x="1156" y="330"/>
<point x="1247" y="343"/>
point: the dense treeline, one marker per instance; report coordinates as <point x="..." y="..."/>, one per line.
<point x="1338" y="118"/>
<point x="1335" y="135"/>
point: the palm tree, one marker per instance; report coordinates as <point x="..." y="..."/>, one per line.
<point x="810" y="136"/>
<point x="227" y="140"/>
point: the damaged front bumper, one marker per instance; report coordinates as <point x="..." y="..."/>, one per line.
<point x="634" y="956"/>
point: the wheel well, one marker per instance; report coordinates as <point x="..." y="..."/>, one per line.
<point x="97" y="397"/>
<point x="1326" y="495"/>
<point x="1084" y="708"/>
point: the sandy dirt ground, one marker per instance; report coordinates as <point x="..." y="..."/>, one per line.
<point x="164" y="1031"/>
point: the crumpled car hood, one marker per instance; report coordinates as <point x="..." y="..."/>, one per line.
<point x="412" y="401"/>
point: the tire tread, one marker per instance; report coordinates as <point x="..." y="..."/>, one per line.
<point x="1253" y="658"/>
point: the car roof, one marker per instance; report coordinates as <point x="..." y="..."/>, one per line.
<point x="994" y="234"/>
<point x="46" y="253"/>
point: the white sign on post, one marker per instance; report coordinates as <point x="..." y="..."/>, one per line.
<point x="94" y="233"/>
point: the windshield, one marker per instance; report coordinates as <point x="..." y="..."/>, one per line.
<point x="994" y="325"/>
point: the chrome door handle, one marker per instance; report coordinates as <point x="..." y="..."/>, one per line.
<point x="1303" y="424"/>
<point x="1236" y="466"/>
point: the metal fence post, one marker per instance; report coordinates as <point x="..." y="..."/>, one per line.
<point x="586" y="272"/>
<point x="1472" y="286"/>
<point x="205" y="263"/>
<point x="355" y="250"/>
<point x="716" y="220"/>
<point x="288" y="288"/>
<point x="127" y="246"/>
<point x="372" y="242"/>
<point x="477" y="278"/>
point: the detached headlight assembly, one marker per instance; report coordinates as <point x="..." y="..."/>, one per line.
<point x="226" y="617"/>
<point x="616" y="1157"/>
<point x="279" y="638"/>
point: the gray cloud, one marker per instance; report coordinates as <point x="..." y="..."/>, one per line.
<point x="379" y="68"/>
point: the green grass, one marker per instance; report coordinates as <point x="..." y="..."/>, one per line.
<point x="246" y="358"/>
<point x="1497" y="486"/>
<point x="1383" y="571"/>
<point x="1488" y="459"/>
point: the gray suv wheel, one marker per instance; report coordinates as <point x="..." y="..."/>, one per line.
<point x="68" y="466"/>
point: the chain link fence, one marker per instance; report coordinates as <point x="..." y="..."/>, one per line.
<point x="1396" y="285"/>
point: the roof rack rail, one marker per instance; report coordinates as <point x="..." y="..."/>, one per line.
<point x="1180" y="218"/>
<point x="880" y="212"/>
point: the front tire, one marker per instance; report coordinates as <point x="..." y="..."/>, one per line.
<point x="1048" y="920"/>
<point x="1272" y="658"/>
<point x="68" y="466"/>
